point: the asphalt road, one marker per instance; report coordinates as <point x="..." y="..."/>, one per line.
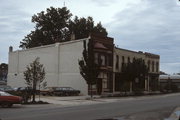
<point x="154" y="105"/>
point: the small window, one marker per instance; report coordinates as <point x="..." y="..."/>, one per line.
<point x="104" y="83"/>
<point x="134" y="59"/>
<point x="103" y="60"/>
<point x="157" y="66"/>
<point x="96" y="58"/>
<point x="149" y="65"/>
<point x="117" y="61"/>
<point x="153" y="66"/>
<point x="109" y="60"/>
<point x="122" y="59"/>
<point x="129" y="60"/>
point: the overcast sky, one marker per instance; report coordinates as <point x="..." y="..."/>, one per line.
<point x="140" y="25"/>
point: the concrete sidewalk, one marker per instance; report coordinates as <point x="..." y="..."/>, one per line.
<point x="175" y="115"/>
<point x="85" y="100"/>
<point x="75" y="100"/>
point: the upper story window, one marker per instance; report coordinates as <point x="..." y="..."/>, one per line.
<point x="153" y="66"/>
<point x="134" y="58"/>
<point x="103" y="60"/>
<point x="157" y="66"/>
<point x="149" y="65"/>
<point x="117" y="61"/>
<point x="109" y="60"/>
<point x="129" y="60"/>
<point x="122" y="59"/>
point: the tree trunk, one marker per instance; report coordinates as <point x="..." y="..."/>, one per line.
<point x="34" y="90"/>
<point x="33" y="96"/>
<point x="91" y="91"/>
<point x="34" y="83"/>
<point x="131" y="86"/>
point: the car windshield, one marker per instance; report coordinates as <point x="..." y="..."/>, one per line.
<point x="8" y="89"/>
<point x="5" y="94"/>
<point x="2" y="89"/>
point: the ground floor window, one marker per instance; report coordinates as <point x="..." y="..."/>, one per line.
<point x="104" y="84"/>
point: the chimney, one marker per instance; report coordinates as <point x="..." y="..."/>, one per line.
<point x="10" y="49"/>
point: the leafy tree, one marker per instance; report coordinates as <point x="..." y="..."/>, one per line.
<point x="34" y="75"/>
<point x="3" y="71"/>
<point x="81" y="27"/>
<point x="55" y="25"/>
<point x="135" y="73"/>
<point x="51" y="27"/>
<point x="88" y="68"/>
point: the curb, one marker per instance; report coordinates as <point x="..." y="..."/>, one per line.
<point x="175" y="115"/>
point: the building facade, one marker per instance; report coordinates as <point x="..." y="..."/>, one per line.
<point x="123" y="56"/>
<point x="60" y="61"/>
<point x="62" y="68"/>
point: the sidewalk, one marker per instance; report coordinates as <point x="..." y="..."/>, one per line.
<point x="85" y="100"/>
<point x="175" y="115"/>
<point x="75" y="100"/>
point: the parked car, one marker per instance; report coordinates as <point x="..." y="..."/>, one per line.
<point x="7" y="100"/>
<point x="59" y="91"/>
<point x="7" y="89"/>
<point x="66" y="91"/>
<point x="48" y="91"/>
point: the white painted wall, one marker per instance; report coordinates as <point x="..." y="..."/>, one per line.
<point x="60" y="61"/>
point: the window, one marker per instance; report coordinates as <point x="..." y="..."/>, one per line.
<point x="109" y="60"/>
<point x="129" y="60"/>
<point x="117" y="61"/>
<point x="96" y="58"/>
<point x="153" y="66"/>
<point x="149" y="65"/>
<point x="104" y="83"/>
<point x="122" y="59"/>
<point x="134" y="59"/>
<point x="157" y="66"/>
<point x="103" y="60"/>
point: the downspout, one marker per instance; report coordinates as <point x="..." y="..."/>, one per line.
<point x="58" y="63"/>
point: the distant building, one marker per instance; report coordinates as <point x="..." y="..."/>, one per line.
<point x="169" y="82"/>
<point x="62" y="68"/>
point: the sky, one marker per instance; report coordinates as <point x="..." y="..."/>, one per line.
<point x="139" y="25"/>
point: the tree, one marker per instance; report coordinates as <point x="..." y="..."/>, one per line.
<point x="3" y="71"/>
<point x="34" y="75"/>
<point x="135" y="73"/>
<point x="88" y="68"/>
<point x="51" y="27"/>
<point x="55" y="25"/>
<point x="82" y="27"/>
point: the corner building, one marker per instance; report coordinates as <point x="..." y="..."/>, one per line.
<point x="62" y="69"/>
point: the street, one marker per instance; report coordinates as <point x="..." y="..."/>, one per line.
<point x="149" y="107"/>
